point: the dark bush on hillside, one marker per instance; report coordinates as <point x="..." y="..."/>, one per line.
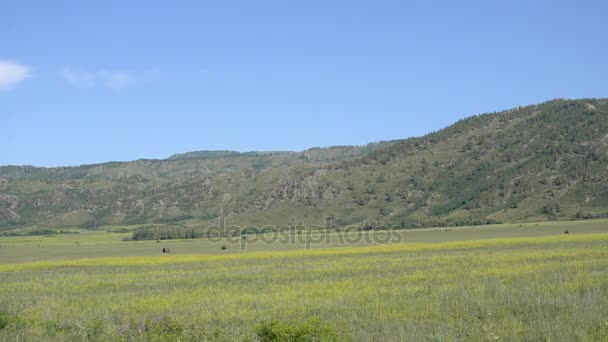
<point x="589" y="216"/>
<point x="552" y="209"/>
<point x="314" y="329"/>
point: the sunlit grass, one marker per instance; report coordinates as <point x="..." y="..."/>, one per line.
<point x="549" y="288"/>
<point x="386" y="248"/>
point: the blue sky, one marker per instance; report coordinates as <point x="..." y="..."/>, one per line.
<point x="99" y="82"/>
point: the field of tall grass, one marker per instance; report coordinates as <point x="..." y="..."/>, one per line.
<point x="552" y="288"/>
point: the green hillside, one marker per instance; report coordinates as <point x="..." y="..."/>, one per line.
<point x="546" y="162"/>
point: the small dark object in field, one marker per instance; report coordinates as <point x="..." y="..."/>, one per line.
<point x="566" y="231"/>
<point x="166" y="250"/>
<point x="224" y="247"/>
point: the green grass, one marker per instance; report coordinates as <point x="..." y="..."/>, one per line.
<point x="102" y="244"/>
<point x="505" y="282"/>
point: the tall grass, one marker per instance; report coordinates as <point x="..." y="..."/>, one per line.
<point x="541" y="289"/>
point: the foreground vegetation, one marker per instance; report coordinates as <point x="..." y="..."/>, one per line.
<point x="551" y="288"/>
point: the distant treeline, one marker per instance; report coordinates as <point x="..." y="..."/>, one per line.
<point x="431" y="222"/>
<point x="38" y="232"/>
<point x="173" y="232"/>
<point x="589" y="216"/>
<point x="166" y="233"/>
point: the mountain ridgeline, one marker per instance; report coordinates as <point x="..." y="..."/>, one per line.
<point x="539" y="162"/>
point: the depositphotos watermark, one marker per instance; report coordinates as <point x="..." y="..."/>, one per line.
<point x="299" y="234"/>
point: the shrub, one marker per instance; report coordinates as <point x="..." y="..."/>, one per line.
<point x="312" y="330"/>
<point x="166" y="328"/>
<point x="599" y="332"/>
<point x="94" y="329"/>
<point x="4" y="319"/>
<point x="551" y="208"/>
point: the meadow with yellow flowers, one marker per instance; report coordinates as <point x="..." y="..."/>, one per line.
<point x="543" y="288"/>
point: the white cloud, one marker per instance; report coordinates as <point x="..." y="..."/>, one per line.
<point x="106" y="78"/>
<point x="13" y="73"/>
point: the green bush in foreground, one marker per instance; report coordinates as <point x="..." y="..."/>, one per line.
<point x="4" y="319"/>
<point x="311" y="330"/>
<point x="599" y="333"/>
<point x="9" y="321"/>
<point x="166" y="328"/>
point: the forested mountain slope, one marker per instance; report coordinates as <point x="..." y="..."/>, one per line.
<point x="547" y="161"/>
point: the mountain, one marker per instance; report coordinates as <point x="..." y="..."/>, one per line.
<point x="546" y="161"/>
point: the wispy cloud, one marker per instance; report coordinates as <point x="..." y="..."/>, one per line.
<point x="13" y="73"/>
<point x="107" y="78"/>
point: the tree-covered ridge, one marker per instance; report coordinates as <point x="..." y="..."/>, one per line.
<point x="546" y="161"/>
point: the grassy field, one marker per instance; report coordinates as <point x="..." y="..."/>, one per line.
<point x="527" y="282"/>
<point x="103" y="244"/>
